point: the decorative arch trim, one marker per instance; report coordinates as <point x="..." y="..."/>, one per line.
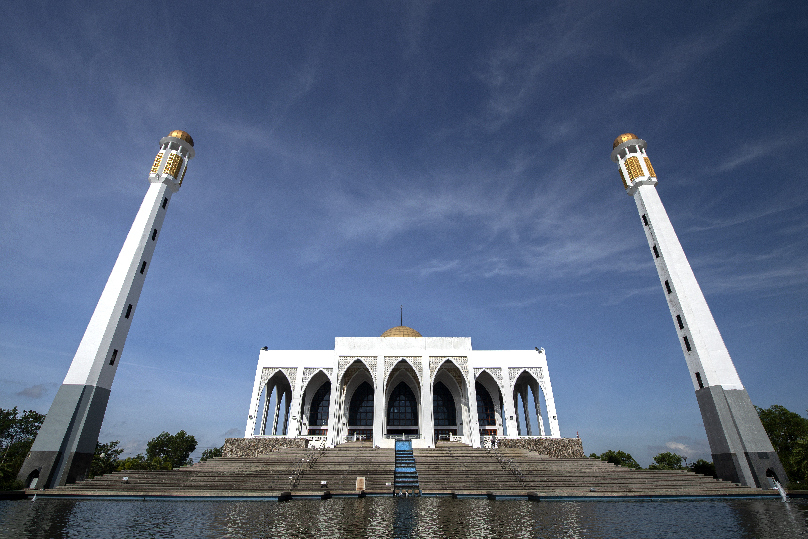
<point x="289" y="372"/>
<point x="436" y="362"/>
<point x="495" y="372"/>
<point x="346" y="361"/>
<point x="536" y="372"/>
<point x="414" y="362"/>
<point x="311" y="372"/>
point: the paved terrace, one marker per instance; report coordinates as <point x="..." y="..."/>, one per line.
<point x="450" y="470"/>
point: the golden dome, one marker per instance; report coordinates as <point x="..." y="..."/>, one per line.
<point x="401" y="331"/>
<point x="182" y="135"/>
<point x="622" y="138"/>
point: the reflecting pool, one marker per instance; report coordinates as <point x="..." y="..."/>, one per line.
<point x="404" y="517"/>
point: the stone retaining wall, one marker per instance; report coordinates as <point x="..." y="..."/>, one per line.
<point x="252" y="447"/>
<point x="559" y="448"/>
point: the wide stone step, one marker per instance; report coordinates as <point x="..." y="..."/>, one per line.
<point x="446" y="469"/>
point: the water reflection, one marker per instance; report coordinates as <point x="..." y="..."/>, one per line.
<point x="402" y="518"/>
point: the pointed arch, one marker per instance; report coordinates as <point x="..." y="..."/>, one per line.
<point x="527" y="397"/>
<point x="360" y="410"/>
<point x="277" y="397"/>
<point x="402" y="410"/>
<point x="444" y="409"/>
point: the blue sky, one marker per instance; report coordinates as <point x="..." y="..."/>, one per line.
<point x="452" y="157"/>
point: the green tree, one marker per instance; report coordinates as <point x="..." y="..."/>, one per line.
<point x="788" y="433"/>
<point x="703" y="467"/>
<point x="138" y="462"/>
<point x="667" y="461"/>
<point x="171" y="451"/>
<point x="105" y="459"/>
<point x="210" y="453"/>
<point x="620" y="458"/>
<point x="17" y="434"/>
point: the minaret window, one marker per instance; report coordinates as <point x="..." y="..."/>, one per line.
<point x="143" y="267"/>
<point x="687" y="344"/>
<point x="154" y="235"/>
<point x="128" y="311"/>
<point x="679" y="321"/>
<point x="114" y="355"/>
<point x="165" y="201"/>
<point x="668" y="287"/>
<point x="644" y="219"/>
<point x="698" y="379"/>
<point x="656" y="251"/>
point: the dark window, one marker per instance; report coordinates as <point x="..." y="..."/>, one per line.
<point x="656" y="252"/>
<point x="644" y="220"/>
<point x="143" y="267"/>
<point x="698" y="379"/>
<point x="128" y="310"/>
<point x="403" y="408"/>
<point x="668" y="287"/>
<point x="360" y="412"/>
<point x="687" y="343"/>
<point x="318" y="413"/>
<point x="443" y="406"/>
<point x="114" y="355"/>
<point x="154" y="234"/>
<point x="679" y="321"/>
<point x="165" y="201"/>
<point x="486" y="414"/>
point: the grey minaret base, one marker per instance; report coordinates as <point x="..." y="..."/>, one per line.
<point x="66" y="453"/>
<point x="742" y="452"/>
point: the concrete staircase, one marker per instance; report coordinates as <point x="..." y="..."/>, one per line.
<point x="449" y="469"/>
<point x="463" y="470"/>
<point x="290" y="471"/>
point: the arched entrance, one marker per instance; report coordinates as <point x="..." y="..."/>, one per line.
<point x="449" y="386"/>
<point x="354" y="403"/>
<point x="403" y="397"/>
<point x="276" y="398"/>
<point x="402" y="411"/>
<point x="527" y="405"/>
<point x="360" y="413"/>
<point x="316" y="405"/>
<point x="444" y="412"/>
<point x="490" y="414"/>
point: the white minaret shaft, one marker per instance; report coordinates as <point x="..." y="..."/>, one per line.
<point x="65" y="445"/>
<point x="741" y="449"/>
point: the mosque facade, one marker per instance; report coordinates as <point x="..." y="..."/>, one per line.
<point x="402" y="385"/>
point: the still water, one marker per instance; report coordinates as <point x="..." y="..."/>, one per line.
<point x="399" y="518"/>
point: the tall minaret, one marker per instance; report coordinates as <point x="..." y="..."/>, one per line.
<point x="741" y="450"/>
<point x="64" y="447"/>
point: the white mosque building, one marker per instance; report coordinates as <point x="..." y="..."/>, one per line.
<point x="402" y="385"/>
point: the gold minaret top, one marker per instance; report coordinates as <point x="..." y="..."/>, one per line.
<point x="617" y="142"/>
<point x="182" y="135"/>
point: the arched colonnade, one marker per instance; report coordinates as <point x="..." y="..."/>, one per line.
<point x="381" y="398"/>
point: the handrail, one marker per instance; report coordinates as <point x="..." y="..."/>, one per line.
<point x="507" y="464"/>
<point x="306" y="464"/>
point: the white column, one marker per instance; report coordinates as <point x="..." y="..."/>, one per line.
<point x="379" y="402"/>
<point x="474" y="420"/>
<point x="334" y="409"/>
<point x="534" y="387"/>
<point x="265" y="412"/>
